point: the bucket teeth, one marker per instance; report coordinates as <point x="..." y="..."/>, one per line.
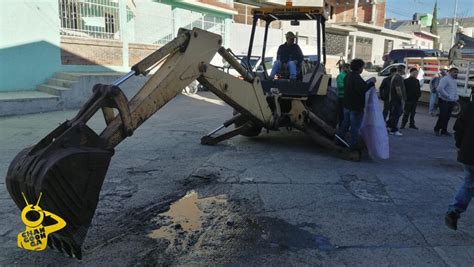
<point x="57" y="244"/>
<point x="67" y="248"/>
<point x="64" y="247"/>
<point x="77" y="253"/>
<point x="50" y="243"/>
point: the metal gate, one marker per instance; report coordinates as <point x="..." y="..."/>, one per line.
<point x="363" y="49"/>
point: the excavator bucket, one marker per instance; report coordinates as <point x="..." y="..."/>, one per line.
<point x="68" y="167"/>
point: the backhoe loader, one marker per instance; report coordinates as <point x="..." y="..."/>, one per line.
<point x="69" y="165"/>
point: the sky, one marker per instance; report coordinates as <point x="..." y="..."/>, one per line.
<point x="404" y="9"/>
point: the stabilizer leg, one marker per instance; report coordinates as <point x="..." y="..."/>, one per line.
<point x="341" y="152"/>
<point x="209" y="140"/>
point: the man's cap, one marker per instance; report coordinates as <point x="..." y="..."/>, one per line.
<point x="290" y="35"/>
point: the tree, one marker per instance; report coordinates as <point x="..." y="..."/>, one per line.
<point x="434" y="26"/>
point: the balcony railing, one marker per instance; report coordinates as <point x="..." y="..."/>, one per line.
<point x="89" y="18"/>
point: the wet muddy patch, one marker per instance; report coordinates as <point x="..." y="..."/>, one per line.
<point x="368" y="188"/>
<point x="206" y="227"/>
<point x="185" y="219"/>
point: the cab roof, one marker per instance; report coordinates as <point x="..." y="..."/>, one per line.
<point x="289" y="13"/>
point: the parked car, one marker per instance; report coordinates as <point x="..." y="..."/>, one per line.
<point x="379" y="76"/>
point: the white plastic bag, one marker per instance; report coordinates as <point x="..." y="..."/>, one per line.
<point x="373" y="129"/>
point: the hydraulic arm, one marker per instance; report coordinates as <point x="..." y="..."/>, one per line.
<point x="69" y="165"/>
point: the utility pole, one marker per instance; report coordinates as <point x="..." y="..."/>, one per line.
<point x="434" y="25"/>
<point x="123" y="32"/>
<point x="453" y="37"/>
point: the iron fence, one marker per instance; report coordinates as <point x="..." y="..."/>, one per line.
<point x="146" y="23"/>
<point x="90" y="18"/>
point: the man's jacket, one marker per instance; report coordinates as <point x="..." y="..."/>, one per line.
<point x="412" y="86"/>
<point x="385" y="88"/>
<point x="287" y="52"/>
<point x="397" y="88"/>
<point x="464" y="135"/>
<point x="354" y="92"/>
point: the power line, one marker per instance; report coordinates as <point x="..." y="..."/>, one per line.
<point x="397" y="12"/>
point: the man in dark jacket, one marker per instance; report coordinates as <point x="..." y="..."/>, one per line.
<point x="397" y="97"/>
<point x="289" y="55"/>
<point x="385" y="93"/>
<point x="412" y="86"/>
<point x="464" y="135"/>
<point x="354" y="101"/>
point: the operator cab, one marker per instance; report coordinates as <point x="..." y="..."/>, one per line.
<point x="311" y="73"/>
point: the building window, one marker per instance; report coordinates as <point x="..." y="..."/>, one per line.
<point x="91" y="18"/>
<point x="109" y="23"/>
<point x="68" y="13"/>
<point x="388" y="46"/>
<point x="363" y="49"/>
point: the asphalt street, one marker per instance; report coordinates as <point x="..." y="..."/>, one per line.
<point x="276" y="199"/>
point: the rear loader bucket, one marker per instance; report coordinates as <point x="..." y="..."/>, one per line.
<point x="68" y="167"/>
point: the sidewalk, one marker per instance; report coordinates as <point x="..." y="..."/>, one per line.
<point x="65" y="90"/>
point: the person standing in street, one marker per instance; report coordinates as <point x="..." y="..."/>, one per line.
<point x="413" y="89"/>
<point x="397" y="97"/>
<point x="385" y="93"/>
<point x="420" y="76"/>
<point x="464" y="133"/>
<point x="354" y="102"/>
<point x="448" y="95"/>
<point x="340" y="90"/>
<point x="434" y="93"/>
<point x="386" y="61"/>
<point x="340" y="63"/>
<point x="455" y="52"/>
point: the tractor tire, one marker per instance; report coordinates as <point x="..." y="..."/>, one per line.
<point x="326" y="107"/>
<point x="457" y="109"/>
<point x="252" y="132"/>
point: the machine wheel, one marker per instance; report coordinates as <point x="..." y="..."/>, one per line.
<point x="254" y="131"/>
<point x="326" y="107"/>
<point x="456" y="109"/>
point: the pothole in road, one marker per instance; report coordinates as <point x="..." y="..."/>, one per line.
<point x="185" y="217"/>
<point x="219" y="230"/>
